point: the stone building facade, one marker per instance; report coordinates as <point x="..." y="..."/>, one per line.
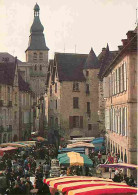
<point x="9" y="104"/>
<point x="72" y="94"/>
<point x="120" y="93"/>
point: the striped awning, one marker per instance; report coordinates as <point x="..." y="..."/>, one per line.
<point x="80" y="144"/>
<point x="53" y="182"/>
<point x="120" y="165"/>
<point x="83" y="185"/>
<point x="74" y="159"/>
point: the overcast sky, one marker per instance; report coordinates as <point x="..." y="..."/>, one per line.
<point x="84" y="23"/>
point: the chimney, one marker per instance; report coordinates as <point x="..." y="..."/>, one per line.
<point x="124" y="41"/>
<point x="120" y="47"/>
<point x="130" y="35"/>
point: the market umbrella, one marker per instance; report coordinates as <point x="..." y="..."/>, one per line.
<point x="102" y="190"/>
<point x="74" y="159"/>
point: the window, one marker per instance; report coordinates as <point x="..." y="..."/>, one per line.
<point x="88" y="107"/>
<point x="35" y="56"/>
<point x="87" y="73"/>
<point x="51" y="121"/>
<point x="41" y="56"/>
<point x="125" y="77"/>
<point x="15" y="115"/>
<point x="8" y="93"/>
<point x="40" y="67"/>
<point x="75" y="102"/>
<point x="50" y="90"/>
<point x="0" y="92"/>
<point x="75" y="86"/>
<point x="87" y="89"/>
<point x="89" y="126"/>
<point x="56" y="121"/>
<point x="55" y="87"/>
<point x="75" y="122"/>
<point x="15" y="98"/>
<point x="35" y="68"/>
<point x="56" y="103"/>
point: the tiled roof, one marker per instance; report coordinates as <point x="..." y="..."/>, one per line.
<point x="70" y="66"/>
<point x="92" y="61"/>
<point x="7" y="73"/>
<point x="129" y="45"/>
<point x="23" y="86"/>
<point x="4" y="55"/>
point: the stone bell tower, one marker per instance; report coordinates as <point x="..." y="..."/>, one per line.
<point x="37" y="55"/>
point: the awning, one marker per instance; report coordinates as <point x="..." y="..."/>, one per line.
<point x="74" y="159"/>
<point x="2" y="150"/>
<point x="120" y="165"/>
<point x="98" y="140"/>
<point x="64" y="188"/>
<point x="79" y="150"/>
<point x="53" y="182"/>
<point x="80" y="144"/>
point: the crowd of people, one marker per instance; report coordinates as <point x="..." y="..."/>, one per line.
<point x="17" y="169"/>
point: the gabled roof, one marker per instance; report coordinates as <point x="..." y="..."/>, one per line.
<point x="92" y="61"/>
<point x="7" y="73"/>
<point x="70" y="66"/>
<point x="23" y="86"/>
<point x="129" y="45"/>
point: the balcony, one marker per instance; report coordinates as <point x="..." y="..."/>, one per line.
<point x="10" y="104"/>
<point x="1" y="103"/>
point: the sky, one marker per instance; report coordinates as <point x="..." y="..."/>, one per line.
<point x="69" y="25"/>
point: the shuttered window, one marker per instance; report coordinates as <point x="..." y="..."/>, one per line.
<point x="75" y="102"/>
<point x="126" y="133"/>
<point x="125" y="77"/>
<point x="117" y="80"/>
<point x="75" y="122"/>
<point x="70" y="122"/>
<point x="121" y="79"/>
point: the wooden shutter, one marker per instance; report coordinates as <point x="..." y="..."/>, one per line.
<point x="71" y="122"/>
<point x="125" y="121"/>
<point x="118" y="80"/>
<point x="81" y="121"/>
<point x="125" y="77"/>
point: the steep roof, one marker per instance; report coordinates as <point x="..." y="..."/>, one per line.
<point x="129" y="45"/>
<point x="7" y="73"/>
<point x="37" y="39"/>
<point x="92" y="61"/>
<point x="70" y="66"/>
<point x="105" y="58"/>
<point x="23" y="86"/>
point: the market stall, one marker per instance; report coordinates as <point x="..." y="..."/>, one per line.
<point x="7" y="149"/>
<point x="74" y="159"/>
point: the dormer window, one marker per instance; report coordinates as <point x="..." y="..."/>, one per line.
<point x="75" y="86"/>
<point x="41" y="56"/>
<point x="35" y="57"/>
<point x="87" y="73"/>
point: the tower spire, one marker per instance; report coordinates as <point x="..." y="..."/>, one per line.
<point x="36" y="10"/>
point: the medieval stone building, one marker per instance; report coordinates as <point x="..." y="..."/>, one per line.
<point x="72" y="94"/>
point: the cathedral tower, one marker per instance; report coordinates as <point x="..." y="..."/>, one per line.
<point x="37" y="54"/>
